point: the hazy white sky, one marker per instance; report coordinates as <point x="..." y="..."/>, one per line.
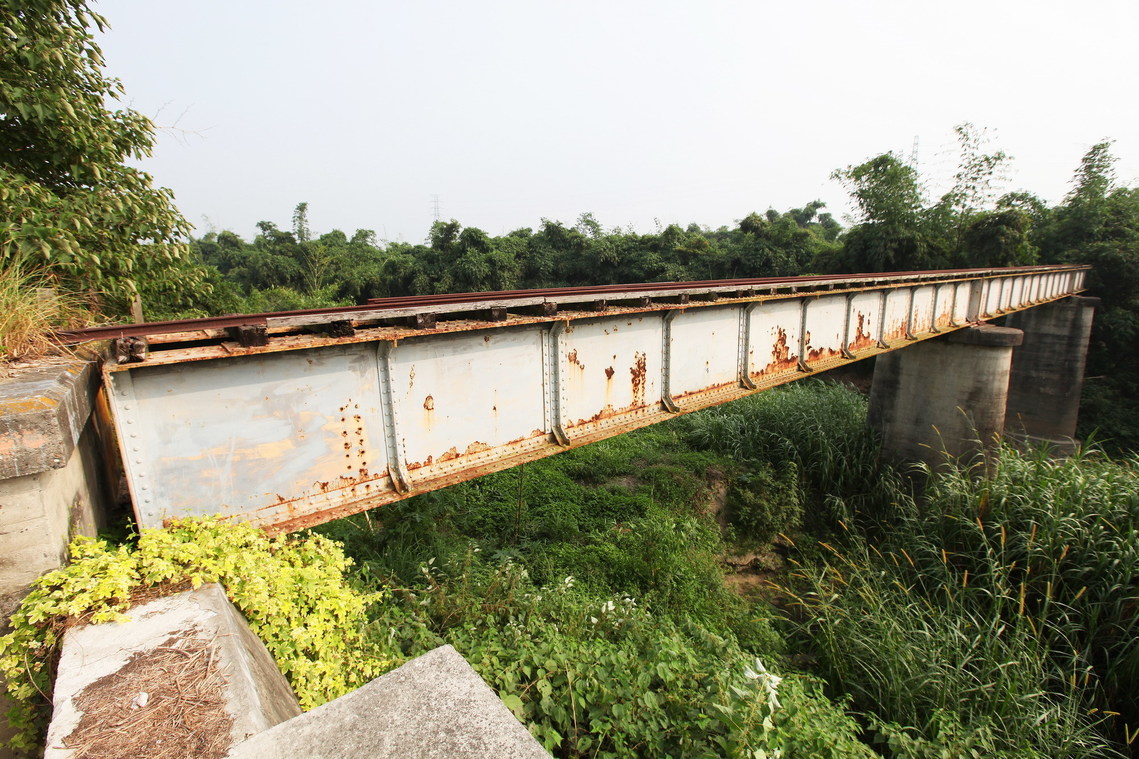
<point x="515" y="110"/>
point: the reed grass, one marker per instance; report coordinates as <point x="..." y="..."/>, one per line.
<point x="31" y="309"/>
<point x="1007" y="602"/>
<point x="821" y="428"/>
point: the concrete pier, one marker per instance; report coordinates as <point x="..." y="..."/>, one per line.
<point x="51" y="469"/>
<point x="51" y="477"/>
<point x="946" y="395"/>
<point x="1048" y="370"/>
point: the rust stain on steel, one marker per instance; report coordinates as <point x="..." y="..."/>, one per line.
<point x="862" y="337"/>
<point x="533" y="434"/>
<point x="476" y="447"/>
<point x="720" y="387"/>
<point x="429" y="403"/>
<point x="944" y="320"/>
<point x="572" y="358"/>
<point x="782" y="360"/>
<point x="638" y="371"/>
<point x="822" y="354"/>
<point x="450" y="454"/>
<point x="819" y="354"/>
<point x="897" y="331"/>
<point x="609" y="373"/>
<point x="608" y="412"/>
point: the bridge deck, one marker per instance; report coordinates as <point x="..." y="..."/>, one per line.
<point x="289" y="420"/>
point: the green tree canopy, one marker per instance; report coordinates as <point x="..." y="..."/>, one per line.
<point x="67" y="199"/>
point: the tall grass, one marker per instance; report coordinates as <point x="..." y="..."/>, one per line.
<point x="1061" y="536"/>
<point x="31" y="309"/>
<point x="821" y="428"/>
<point x="1005" y="605"/>
<point x="918" y="655"/>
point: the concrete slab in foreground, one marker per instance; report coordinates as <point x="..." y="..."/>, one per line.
<point x="201" y="625"/>
<point x="433" y="707"/>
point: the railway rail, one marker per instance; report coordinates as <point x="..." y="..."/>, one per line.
<point x="250" y="329"/>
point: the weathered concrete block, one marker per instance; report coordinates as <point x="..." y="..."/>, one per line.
<point x="51" y="484"/>
<point x="40" y="513"/>
<point x="1048" y="370"/>
<point x="199" y="623"/>
<point x="42" y="412"/>
<point x="433" y="707"/>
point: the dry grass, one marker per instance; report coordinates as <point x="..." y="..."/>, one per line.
<point x="182" y="714"/>
<point x="31" y="309"/>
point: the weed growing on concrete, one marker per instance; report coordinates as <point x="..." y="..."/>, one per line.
<point x="292" y="590"/>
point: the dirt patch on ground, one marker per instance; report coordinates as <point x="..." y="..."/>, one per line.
<point x="756" y="574"/>
<point x="716" y="498"/>
<point x="629" y="482"/>
<point x="166" y="703"/>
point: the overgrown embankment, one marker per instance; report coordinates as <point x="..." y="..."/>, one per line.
<point x="991" y="617"/>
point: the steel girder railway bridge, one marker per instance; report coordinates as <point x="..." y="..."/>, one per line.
<point x="292" y="419"/>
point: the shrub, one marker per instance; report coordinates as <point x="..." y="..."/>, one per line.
<point x="31" y="309"/>
<point x="292" y="590"/>
<point x="762" y="503"/>
<point x="820" y="428"/>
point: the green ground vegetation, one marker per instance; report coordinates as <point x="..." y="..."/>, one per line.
<point x="987" y="616"/>
<point x="961" y="612"/>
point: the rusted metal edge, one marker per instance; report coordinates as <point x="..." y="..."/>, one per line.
<point x="394" y="308"/>
<point x="396" y="334"/>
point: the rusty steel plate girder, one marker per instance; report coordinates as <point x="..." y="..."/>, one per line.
<point x="307" y="427"/>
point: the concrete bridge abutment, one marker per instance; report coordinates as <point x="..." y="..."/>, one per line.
<point x="1047" y="372"/>
<point x="944" y="396"/>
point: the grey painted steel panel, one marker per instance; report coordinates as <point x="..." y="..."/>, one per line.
<point x="251" y="434"/>
<point x="865" y="317"/>
<point x="291" y="435"/>
<point x="612" y="366"/>
<point x="774" y="343"/>
<point x="921" y="320"/>
<point x="826" y="326"/>
<point x="452" y="401"/>
<point x="897" y="315"/>
<point x="705" y="351"/>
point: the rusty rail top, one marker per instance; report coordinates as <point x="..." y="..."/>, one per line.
<point x="646" y="295"/>
<point x="291" y="419"/>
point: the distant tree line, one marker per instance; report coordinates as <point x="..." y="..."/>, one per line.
<point x="896" y="229"/>
<point x="335" y="268"/>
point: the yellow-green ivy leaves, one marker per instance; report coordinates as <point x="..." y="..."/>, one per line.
<point x="291" y="589"/>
